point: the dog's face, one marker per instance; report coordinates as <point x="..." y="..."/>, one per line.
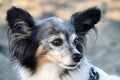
<point x="58" y="41"/>
<point x="53" y="40"/>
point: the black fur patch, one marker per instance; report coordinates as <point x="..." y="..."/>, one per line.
<point x="84" y="21"/>
<point x="16" y="14"/>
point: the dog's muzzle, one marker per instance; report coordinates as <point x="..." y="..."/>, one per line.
<point x="76" y="57"/>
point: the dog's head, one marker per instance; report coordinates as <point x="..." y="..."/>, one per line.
<point x="52" y="40"/>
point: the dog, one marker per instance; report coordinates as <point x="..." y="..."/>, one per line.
<point x="53" y="48"/>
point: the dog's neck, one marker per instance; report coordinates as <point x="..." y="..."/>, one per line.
<point x="46" y="72"/>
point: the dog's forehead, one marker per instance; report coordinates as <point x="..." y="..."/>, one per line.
<point x="56" y="24"/>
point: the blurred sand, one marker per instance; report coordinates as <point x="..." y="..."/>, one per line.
<point x="103" y="51"/>
<point x="59" y="7"/>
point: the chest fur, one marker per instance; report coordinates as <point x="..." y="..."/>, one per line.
<point x="52" y="72"/>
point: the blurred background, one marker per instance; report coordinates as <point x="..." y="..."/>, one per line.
<point x="103" y="49"/>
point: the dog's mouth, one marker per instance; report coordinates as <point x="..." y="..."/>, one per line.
<point x="69" y="66"/>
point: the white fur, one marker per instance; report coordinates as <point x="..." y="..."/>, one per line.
<point x="47" y="72"/>
<point x="53" y="71"/>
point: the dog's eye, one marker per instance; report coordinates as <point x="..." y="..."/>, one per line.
<point x="76" y="41"/>
<point x="57" y="42"/>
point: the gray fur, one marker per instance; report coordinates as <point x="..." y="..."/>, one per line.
<point x="53" y="26"/>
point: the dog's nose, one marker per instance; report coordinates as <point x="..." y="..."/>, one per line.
<point x="76" y="57"/>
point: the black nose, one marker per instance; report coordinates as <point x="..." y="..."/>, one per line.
<point x="76" y="57"/>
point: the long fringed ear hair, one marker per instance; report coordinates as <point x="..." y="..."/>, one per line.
<point x="21" y="30"/>
<point x="83" y="22"/>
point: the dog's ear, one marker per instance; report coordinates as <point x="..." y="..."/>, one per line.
<point x="84" y="21"/>
<point x="20" y="21"/>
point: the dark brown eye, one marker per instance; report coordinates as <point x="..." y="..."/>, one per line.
<point x="57" y="42"/>
<point x="76" y="41"/>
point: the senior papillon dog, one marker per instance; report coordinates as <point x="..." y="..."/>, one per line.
<point x="53" y="48"/>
